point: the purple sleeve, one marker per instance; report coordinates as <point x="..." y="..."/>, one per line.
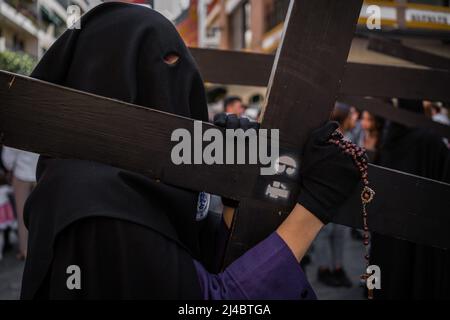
<point x="268" y="271"/>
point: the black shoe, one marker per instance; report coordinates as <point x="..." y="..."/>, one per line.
<point x="341" y="278"/>
<point x="326" y="277"/>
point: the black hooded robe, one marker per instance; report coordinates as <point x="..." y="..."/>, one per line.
<point x="408" y="270"/>
<point x="131" y="237"/>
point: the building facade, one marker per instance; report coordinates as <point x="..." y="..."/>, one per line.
<point x="31" y="26"/>
<point x="257" y="25"/>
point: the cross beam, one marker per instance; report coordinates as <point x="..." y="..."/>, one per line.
<point x="64" y="123"/>
<point x="254" y="69"/>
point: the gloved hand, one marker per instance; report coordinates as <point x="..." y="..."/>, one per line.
<point x="328" y="176"/>
<point x="231" y="121"/>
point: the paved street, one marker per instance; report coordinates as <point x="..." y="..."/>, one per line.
<point x="354" y="264"/>
<point x="11" y="273"/>
<point x="10" y="276"/>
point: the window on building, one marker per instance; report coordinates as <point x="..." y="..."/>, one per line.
<point x="276" y="12"/>
<point x="240" y="26"/>
<point x="18" y="44"/>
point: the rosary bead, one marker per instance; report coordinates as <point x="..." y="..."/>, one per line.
<point x="360" y="160"/>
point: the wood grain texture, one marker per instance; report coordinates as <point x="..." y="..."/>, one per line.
<point x="65" y="123"/>
<point x="411" y="207"/>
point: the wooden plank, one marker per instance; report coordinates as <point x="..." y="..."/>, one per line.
<point x="65" y="123"/>
<point x="233" y="67"/>
<point x="397" y="49"/>
<point x="384" y="110"/>
<point x="251" y="69"/>
<point x="410" y="207"/>
<point x="406" y="207"/>
<point x="302" y="91"/>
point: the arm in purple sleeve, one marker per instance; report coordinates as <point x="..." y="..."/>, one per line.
<point x="268" y="271"/>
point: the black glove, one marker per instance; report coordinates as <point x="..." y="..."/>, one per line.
<point x="231" y="121"/>
<point x="328" y="176"/>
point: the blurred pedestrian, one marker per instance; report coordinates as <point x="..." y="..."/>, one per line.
<point x="330" y="243"/>
<point x="438" y="113"/>
<point x="22" y="165"/>
<point x="6" y="211"/>
<point x="234" y="105"/>
<point x="409" y="270"/>
<point x="347" y="117"/>
<point x="371" y="135"/>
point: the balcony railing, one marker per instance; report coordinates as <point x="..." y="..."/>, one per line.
<point x="27" y="8"/>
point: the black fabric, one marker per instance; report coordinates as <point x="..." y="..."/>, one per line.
<point x="328" y="176"/>
<point x="119" y="53"/>
<point x="213" y="240"/>
<point x="231" y="121"/>
<point x="412" y="271"/>
<point x="94" y="243"/>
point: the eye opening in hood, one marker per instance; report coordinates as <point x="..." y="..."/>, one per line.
<point x="172" y="58"/>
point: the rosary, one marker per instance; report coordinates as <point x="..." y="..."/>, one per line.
<point x="359" y="157"/>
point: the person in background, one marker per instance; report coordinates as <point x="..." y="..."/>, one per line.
<point x="437" y="112"/>
<point x="370" y="138"/>
<point x="420" y="152"/>
<point x="233" y="105"/>
<point x="22" y="165"/>
<point x="329" y="244"/>
<point x="6" y="211"/>
<point x="347" y="117"/>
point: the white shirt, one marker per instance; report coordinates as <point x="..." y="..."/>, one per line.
<point x="21" y="163"/>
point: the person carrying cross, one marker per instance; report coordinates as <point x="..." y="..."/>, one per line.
<point x="134" y="238"/>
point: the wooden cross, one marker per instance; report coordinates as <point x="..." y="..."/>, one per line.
<point x="309" y="74"/>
